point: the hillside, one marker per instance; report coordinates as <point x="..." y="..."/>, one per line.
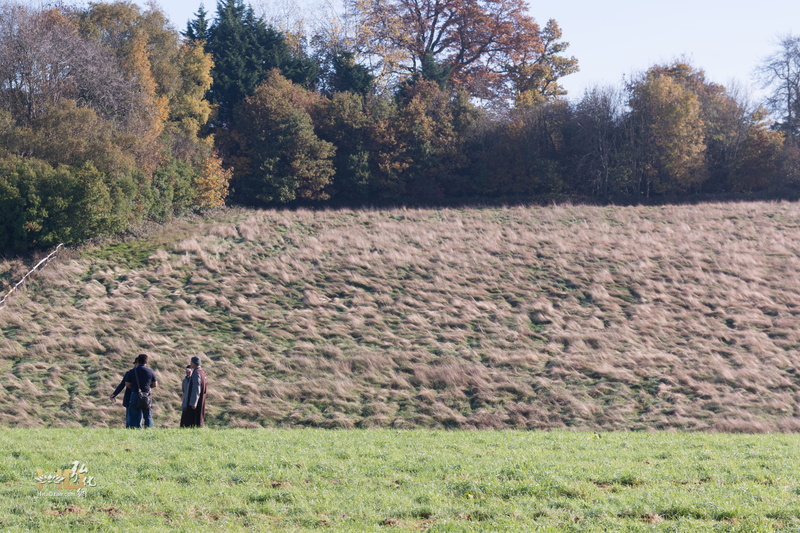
<point x="543" y="317"/>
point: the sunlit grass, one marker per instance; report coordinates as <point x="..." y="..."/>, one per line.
<point x="375" y="480"/>
<point x="528" y="317"/>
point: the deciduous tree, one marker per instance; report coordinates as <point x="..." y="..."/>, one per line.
<point x="535" y="76"/>
<point x="280" y="158"/>
<point x="597" y="142"/>
<point x="212" y="183"/>
<point x="148" y="51"/>
<point x="758" y="162"/>
<point x="491" y="48"/>
<point x="780" y="73"/>
<point x="189" y="110"/>
<point x="670" y="132"/>
<point x="44" y="60"/>
<point x="347" y="124"/>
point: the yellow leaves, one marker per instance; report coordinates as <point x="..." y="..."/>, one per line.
<point x="138" y="63"/>
<point x="674" y="131"/>
<point x="528" y="98"/>
<point x="155" y="109"/>
<point x="189" y="107"/>
<point x="196" y="68"/>
<point x="212" y="183"/>
<point x="167" y="80"/>
<point x="536" y="68"/>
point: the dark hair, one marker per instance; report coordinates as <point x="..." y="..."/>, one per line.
<point x="142" y="358"/>
<point x="196" y="360"/>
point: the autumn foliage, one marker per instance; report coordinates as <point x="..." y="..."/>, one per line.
<point x="102" y="122"/>
<point x="400" y="101"/>
<point x="491" y="48"/>
<point x="280" y="158"/>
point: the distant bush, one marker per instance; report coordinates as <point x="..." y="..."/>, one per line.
<point x="42" y="205"/>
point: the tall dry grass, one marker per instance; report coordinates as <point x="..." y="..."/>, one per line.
<point x="587" y="317"/>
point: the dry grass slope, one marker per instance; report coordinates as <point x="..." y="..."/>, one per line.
<point x="587" y="317"/>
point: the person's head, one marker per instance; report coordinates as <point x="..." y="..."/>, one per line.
<point x="142" y="359"/>
<point x="136" y="361"/>
<point x="188" y="370"/>
<point x="195" y="362"/>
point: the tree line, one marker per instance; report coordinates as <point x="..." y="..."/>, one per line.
<point x="103" y="116"/>
<point x="108" y="116"/>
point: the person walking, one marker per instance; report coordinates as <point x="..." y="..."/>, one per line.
<point x="194" y="397"/>
<point x="141" y="381"/>
<point x="126" y="398"/>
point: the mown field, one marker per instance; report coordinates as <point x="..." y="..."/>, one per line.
<point x="402" y="480"/>
<point x="602" y="318"/>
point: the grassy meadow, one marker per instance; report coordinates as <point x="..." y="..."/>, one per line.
<point x="402" y="480"/>
<point x="599" y="318"/>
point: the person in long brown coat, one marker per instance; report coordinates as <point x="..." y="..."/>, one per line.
<point x="194" y="397"/>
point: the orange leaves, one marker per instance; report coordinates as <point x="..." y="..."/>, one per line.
<point x="476" y="44"/>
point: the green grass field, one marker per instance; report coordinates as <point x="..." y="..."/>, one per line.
<point x="389" y="480"/>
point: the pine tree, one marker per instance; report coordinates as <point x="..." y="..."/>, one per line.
<point x="197" y="29"/>
<point x="245" y="49"/>
<point x="349" y="76"/>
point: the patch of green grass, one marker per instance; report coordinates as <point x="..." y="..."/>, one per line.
<point x="132" y="254"/>
<point x="376" y="480"/>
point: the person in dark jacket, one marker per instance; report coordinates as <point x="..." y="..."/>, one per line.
<point x="185" y="385"/>
<point x="126" y="398"/>
<point x="194" y="397"/>
<point x="142" y="379"/>
<point x="186" y="379"/>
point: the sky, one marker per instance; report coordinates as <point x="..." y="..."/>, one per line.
<point x="727" y="39"/>
<point x="615" y="39"/>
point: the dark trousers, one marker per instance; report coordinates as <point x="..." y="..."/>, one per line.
<point x="139" y="415"/>
<point x="129" y="417"/>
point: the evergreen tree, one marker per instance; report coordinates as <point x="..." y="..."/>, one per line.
<point x="431" y="70"/>
<point x="245" y="49"/>
<point x="197" y="29"/>
<point x="349" y="76"/>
